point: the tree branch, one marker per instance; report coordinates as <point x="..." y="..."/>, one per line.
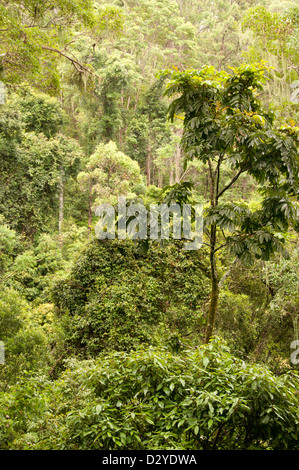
<point x="219" y="247"/>
<point x="227" y="273"/>
<point x="217" y="172"/>
<point x="233" y="180"/>
<point x="78" y="66"/>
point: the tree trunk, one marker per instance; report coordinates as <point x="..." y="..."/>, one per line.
<point x="120" y="135"/>
<point x="148" y="167"/>
<point x="177" y="157"/>
<point x="177" y="162"/>
<point x="137" y="97"/>
<point x="61" y="204"/>
<point x="214" y="182"/>
<point x="90" y="208"/>
<point x="215" y="288"/>
<point x="212" y="311"/>
<point x="170" y="175"/>
<point x="160" y="178"/>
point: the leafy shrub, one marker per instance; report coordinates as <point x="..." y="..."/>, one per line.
<point x="152" y="399"/>
<point x="25" y="345"/>
<point x="237" y="322"/>
<point x="117" y="298"/>
<point x="33" y="270"/>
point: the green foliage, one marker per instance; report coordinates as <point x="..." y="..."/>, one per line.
<point x="226" y="125"/>
<point x="40" y="113"/>
<point x="275" y="37"/>
<point x="12" y="307"/>
<point x="37" y="35"/>
<point x="220" y="38"/>
<point x="25" y="346"/>
<point x="9" y="245"/>
<point x="38" y="157"/>
<point x="239" y="323"/>
<point x="177" y="193"/>
<point x="148" y="128"/>
<point x="118" y="80"/>
<point x="34" y="270"/>
<point x="109" y="173"/>
<point x="152" y="399"/>
<point x="116" y="297"/>
<point x="277" y="31"/>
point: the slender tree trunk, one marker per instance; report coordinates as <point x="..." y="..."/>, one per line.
<point x="120" y="135"/>
<point x="177" y="164"/>
<point x="170" y="174"/>
<point x="148" y="167"/>
<point x="177" y="157"/>
<point x="61" y="204"/>
<point x="137" y="97"/>
<point x="214" y="183"/>
<point x="215" y="288"/>
<point x="90" y="208"/>
<point x="160" y="178"/>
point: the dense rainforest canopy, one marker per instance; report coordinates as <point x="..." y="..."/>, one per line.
<point x="141" y="344"/>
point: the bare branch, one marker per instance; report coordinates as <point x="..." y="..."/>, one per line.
<point x="228" y="272"/>
<point x="78" y="66"/>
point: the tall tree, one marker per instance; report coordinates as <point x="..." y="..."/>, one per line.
<point x="225" y="124"/>
<point x="109" y="173"/>
<point x="275" y="38"/>
<point x="35" y="160"/>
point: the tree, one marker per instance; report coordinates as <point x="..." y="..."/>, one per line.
<point x="220" y="40"/>
<point x="35" y="35"/>
<point x="119" y="81"/>
<point x="156" y="35"/>
<point x="9" y="244"/>
<point x="148" y="130"/>
<point x="35" y="160"/>
<point x="276" y="39"/>
<point x="109" y="173"/>
<point x="276" y="33"/>
<point x="226" y="125"/>
<point x="117" y="296"/>
<point x="25" y="344"/>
